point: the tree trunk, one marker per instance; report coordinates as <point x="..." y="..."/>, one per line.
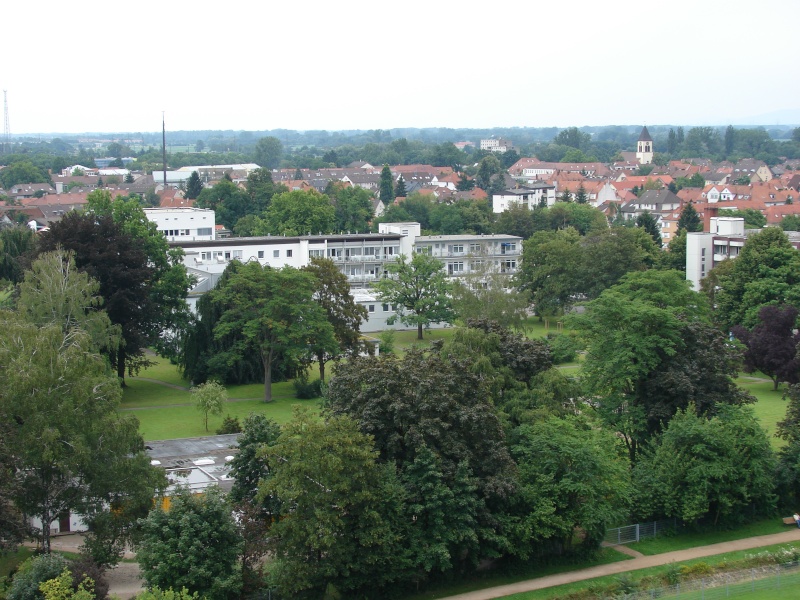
<point x="775" y="384"/>
<point x="321" y="359"/>
<point x="419" y="331"/>
<point x="268" y="377"/>
<point x="46" y="517"/>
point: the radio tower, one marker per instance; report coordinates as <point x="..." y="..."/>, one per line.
<point x="6" y="126"/>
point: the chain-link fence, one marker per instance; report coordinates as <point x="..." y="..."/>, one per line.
<point x="633" y="533"/>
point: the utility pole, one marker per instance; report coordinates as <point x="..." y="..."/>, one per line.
<point x="164" y="146"/>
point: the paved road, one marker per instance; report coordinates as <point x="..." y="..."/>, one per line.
<point x="792" y="535"/>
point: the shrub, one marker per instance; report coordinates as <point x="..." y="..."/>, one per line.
<point x="34" y="571"/>
<point x="387" y="341"/>
<point x="564" y="347"/>
<point x="306" y="390"/>
<point x="230" y="425"/>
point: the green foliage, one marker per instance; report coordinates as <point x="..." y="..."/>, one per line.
<point x="353" y="207"/>
<point x="248" y="465"/>
<point x="339" y="527"/>
<point x="767" y="271"/>
<point x="790" y="223"/>
<point x="386" y="186"/>
<point x="32" y="573"/>
<point x="694" y="470"/>
<point x="649" y="223"/>
<point x="194" y="186"/>
<point x="484" y="294"/>
<point x="209" y="398"/>
<point x="156" y="593"/>
<point x="16" y="244"/>
<point x="268" y="152"/>
<point x="60" y="588"/>
<point x="297" y="213"/>
<point x="689" y="220"/>
<point x="229" y="202"/>
<point x="387" y="338"/>
<point x="564" y="346"/>
<point x="69" y="447"/>
<point x="307" y="390"/>
<point x="23" y="171"/>
<point x="195" y="545"/>
<point x="229" y="425"/>
<point x="419" y="289"/>
<point x="271" y="312"/>
<point x="753" y="219"/>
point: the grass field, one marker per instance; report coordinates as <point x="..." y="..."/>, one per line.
<point x="771" y="407"/>
<point x="562" y="590"/>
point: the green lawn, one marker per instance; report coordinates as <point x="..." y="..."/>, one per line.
<point x="8" y="562"/>
<point x="682" y="541"/>
<point x="770" y="407"/>
<point x="165" y="371"/>
<point x="562" y="590"/>
<point x="467" y="584"/>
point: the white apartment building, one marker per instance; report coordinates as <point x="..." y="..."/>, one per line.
<point x="496" y="145"/>
<point x="184" y="224"/>
<point x="531" y="196"/>
<point x="464" y="254"/>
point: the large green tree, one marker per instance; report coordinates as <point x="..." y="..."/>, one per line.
<point x="767" y="271"/>
<point x="332" y="292"/>
<point x="268" y="152"/>
<point x="297" y="213"/>
<point x="387" y="185"/>
<point x="273" y="312"/>
<point x="651" y="351"/>
<point x="339" y="531"/>
<point x="695" y="470"/>
<point x="689" y="219"/>
<point x="194" y="545"/>
<point x="353" y="207"/>
<point x="68" y="446"/>
<point x="419" y="290"/>
<point x="229" y="202"/>
<point x="194" y="186"/>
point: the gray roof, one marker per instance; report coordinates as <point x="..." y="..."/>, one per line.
<point x="645" y="135"/>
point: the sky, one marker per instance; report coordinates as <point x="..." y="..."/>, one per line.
<point x="349" y="64"/>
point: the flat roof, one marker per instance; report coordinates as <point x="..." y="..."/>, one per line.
<point x="281" y="239"/>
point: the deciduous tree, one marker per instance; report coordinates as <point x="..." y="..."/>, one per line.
<point x="772" y="344"/>
<point x="419" y="290"/>
<point x="297" y="213"/>
<point x="209" y="398"/>
<point x="193" y="545"/>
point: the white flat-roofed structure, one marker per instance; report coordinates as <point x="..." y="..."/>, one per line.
<point x="379" y="312"/>
<point x="464" y="254"/>
<point x="726" y="239"/>
<point x="184" y="223"/>
<point x="530" y="196"/>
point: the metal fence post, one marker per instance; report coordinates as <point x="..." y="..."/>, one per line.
<point x="637" y="532"/>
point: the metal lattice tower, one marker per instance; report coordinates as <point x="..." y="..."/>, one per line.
<point x="6" y="126"/>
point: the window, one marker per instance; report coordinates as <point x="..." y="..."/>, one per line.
<point x="372" y="308"/>
<point x="260" y="254"/>
<point x="316" y="253"/>
<point x="288" y="254"/>
<point x="508" y="247"/>
<point x="237" y="254"/>
<point x="276" y="254"/>
<point x="204" y="231"/>
<point x="454" y="268"/>
<point x="475" y="248"/>
<point x="370" y="251"/>
<point x="425" y="250"/>
<point x="456" y="248"/>
<point x="507" y="266"/>
<point x="385" y="307"/>
<point x="205" y="256"/>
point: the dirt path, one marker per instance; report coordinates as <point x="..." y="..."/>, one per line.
<point x="630" y="565"/>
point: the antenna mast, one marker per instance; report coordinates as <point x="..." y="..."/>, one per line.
<point x="164" y="146"/>
<point x="6" y="126"/>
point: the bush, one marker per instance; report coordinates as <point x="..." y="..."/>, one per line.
<point x="387" y="341"/>
<point x="564" y="347"/>
<point x="230" y="425"/>
<point x="306" y="390"/>
<point x="34" y="571"/>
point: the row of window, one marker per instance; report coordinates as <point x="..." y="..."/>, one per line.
<point x="505" y="248"/>
<point x="385" y="307"/>
<point x="201" y="231"/>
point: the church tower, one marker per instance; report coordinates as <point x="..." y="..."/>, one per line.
<point x="644" y="147"/>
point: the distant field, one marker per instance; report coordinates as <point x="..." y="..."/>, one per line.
<point x="770" y="408"/>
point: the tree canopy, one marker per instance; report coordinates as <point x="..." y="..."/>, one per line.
<point x="297" y="213"/>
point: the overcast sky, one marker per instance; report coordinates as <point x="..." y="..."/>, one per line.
<point x="113" y="67"/>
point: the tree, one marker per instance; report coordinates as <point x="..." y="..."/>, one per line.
<point x="606" y="255"/>
<point x="23" y="171"/>
<point x="386" y="187"/>
<point x="772" y="344"/>
<point x="581" y="197"/>
<point x="419" y="290"/>
<point x="32" y="573"/>
<point x="228" y="201"/>
<point x="194" y="545"/>
<point x="142" y="280"/>
<point x="268" y="152"/>
<point x="694" y="470"/>
<point x="767" y="271"/>
<point x="730" y="140"/>
<point x="273" y="311"/>
<point x="16" y="245"/>
<point x="571" y="476"/>
<point x="488" y="168"/>
<point x="790" y="223"/>
<point x="332" y="293"/>
<point x="551" y="271"/>
<point x="753" y="219"/>
<point x="484" y="294"/>
<point x="672" y="142"/>
<point x="353" y="207"/>
<point x="400" y="188"/>
<point x="573" y="137"/>
<point x="649" y="223"/>
<point x="339" y="528"/>
<point x="248" y="466"/>
<point x="209" y="398"/>
<point x="297" y="213"/>
<point x="129" y="178"/>
<point x="650" y="351"/>
<point x="69" y="448"/>
<point x="193" y="186"/>
<point x="689" y="220"/>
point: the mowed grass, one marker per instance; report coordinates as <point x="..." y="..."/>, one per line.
<point x="770" y="408"/>
<point x="684" y="540"/>
<point x="167" y="413"/>
<point x="469" y="584"/>
<point x="552" y="593"/>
